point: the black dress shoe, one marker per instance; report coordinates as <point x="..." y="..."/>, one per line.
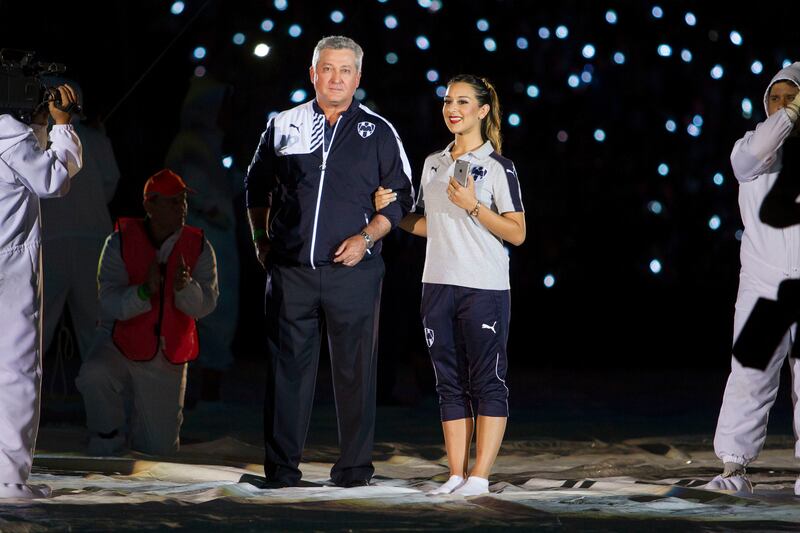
<point x="355" y="483"/>
<point x="263" y="483"/>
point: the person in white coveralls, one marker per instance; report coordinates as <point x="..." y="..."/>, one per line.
<point x="28" y="172"/>
<point x="769" y="256"/>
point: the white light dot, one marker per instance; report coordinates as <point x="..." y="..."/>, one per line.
<point x="200" y="71"/>
<point x="295" y="30"/>
<point x="532" y="91"/>
<point x="663" y="169"/>
<point x="441" y="90"/>
<point x="432" y="76"/>
<point x="719" y="179"/>
<point x="423" y="43"/>
<point x="611" y="16"/>
<point x="588" y="51"/>
<point x="360" y="94"/>
<point x="391" y="58"/>
<point x="549" y="281"/>
<point x="690" y="19"/>
<point x="664" y="50"/>
<point x="739" y="233"/>
<point x="756" y="67"/>
<point x="489" y="44"/>
<point x="655" y="266"/>
<point x="272" y="114"/>
<point x="390" y="22"/>
<point x="586" y="77"/>
<point x="227" y="161"/>
<point x="562" y="136"/>
<point x="686" y="55"/>
<point x="562" y="32"/>
<point x="693" y="130"/>
<point x="657" y="12"/>
<point x="261" y="50"/>
<point x="717" y="72"/>
<point x="425" y="3"/>
<point x="544" y="33"/>
<point x="599" y="135"/>
<point x="619" y="58"/>
<point x="281" y="5"/>
<point x="697" y="120"/>
<point x="298" y="95"/>
<point x="482" y="24"/>
<point x="337" y="16"/>
<point x="238" y="38"/>
<point x="573" y="80"/>
<point x="671" y="126"/>
<point x="736" y="38"/>
<point x="714" y="222"/>
<point x="177" y="8"/>
<point x="522" y="43"/>
<point x="786" y="63"/>
<point x="655" y="207"/>
<point x="747" y="105"/>
<point x="267" y="25"/>
<point x="514" y="119"/>
<point x="199" y="52"/>
<point x="436" y="5"/>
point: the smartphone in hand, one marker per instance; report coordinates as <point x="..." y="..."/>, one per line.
<point x="461" y="172"/>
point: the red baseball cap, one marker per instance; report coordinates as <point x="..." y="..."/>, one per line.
<point x="166" y="183"/>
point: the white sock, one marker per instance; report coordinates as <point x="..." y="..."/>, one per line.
<point x="449" y="486"/>
<point x="473" y="486"/>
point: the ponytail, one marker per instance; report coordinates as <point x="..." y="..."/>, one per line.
<point x="486" y="95"/>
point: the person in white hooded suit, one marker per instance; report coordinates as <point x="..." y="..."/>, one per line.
<point x="27" y="172"/>
<point x="770" y="255"/>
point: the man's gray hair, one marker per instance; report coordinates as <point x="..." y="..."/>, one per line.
<point x="338" y="42"/>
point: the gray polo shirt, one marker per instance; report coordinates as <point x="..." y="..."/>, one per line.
<point x="461" y="251"/>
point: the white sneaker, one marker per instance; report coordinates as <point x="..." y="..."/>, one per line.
<point x="23" y="491"/>
<point x="474" y="486"/>
<point x="736" y="483"/>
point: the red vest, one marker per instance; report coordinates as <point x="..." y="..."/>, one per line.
<point x="138" y="338"/>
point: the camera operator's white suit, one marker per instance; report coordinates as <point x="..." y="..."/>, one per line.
<point x="26" y="173"/>
<point x="769" y="256"/>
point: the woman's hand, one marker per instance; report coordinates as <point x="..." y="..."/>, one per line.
<point x="463" y="197"/>
<point x="383" y="197"/>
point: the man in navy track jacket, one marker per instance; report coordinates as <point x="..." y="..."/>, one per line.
<point x="316" y="233"/>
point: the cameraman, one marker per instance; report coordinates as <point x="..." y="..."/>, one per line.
<point x="28" y="172"/>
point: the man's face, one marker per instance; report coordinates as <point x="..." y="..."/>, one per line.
<point x="780" y="94"/>
<point x="335" y="77"/>
<point x="168" y="212"/>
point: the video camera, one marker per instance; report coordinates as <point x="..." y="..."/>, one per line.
<point x="22" y="88"/>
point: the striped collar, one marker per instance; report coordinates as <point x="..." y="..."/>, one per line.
<point x="482" y="152"/>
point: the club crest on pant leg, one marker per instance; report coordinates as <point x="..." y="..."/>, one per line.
<point x="429" y="337"/>
<point x="365" y="129"/>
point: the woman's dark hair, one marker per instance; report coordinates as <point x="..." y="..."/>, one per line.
<point x="486" y="95"/>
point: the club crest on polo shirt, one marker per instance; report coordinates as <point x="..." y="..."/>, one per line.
<point x="429" y="337"/>
<point x="365" y="129"/>
<point x="478" y="173"/>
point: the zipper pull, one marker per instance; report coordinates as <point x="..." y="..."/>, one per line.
<point x="322" y="167"/>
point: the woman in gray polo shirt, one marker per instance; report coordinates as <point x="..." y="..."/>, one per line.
<point x="465" y="286"/>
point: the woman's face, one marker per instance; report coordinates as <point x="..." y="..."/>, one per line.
<point x="461" y="111"/>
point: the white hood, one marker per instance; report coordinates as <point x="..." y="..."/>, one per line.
<point x="790" y="73"/>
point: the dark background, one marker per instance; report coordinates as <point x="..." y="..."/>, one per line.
<point x="587" y="202"/>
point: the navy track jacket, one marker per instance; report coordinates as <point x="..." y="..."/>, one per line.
<point x="319" y="190"/>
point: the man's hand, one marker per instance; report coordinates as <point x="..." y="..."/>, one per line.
<point x="262" y="245"/>
<point x="351" y="251"/>
<point x="182" y="275"/>
<point x="68" y="97"/>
